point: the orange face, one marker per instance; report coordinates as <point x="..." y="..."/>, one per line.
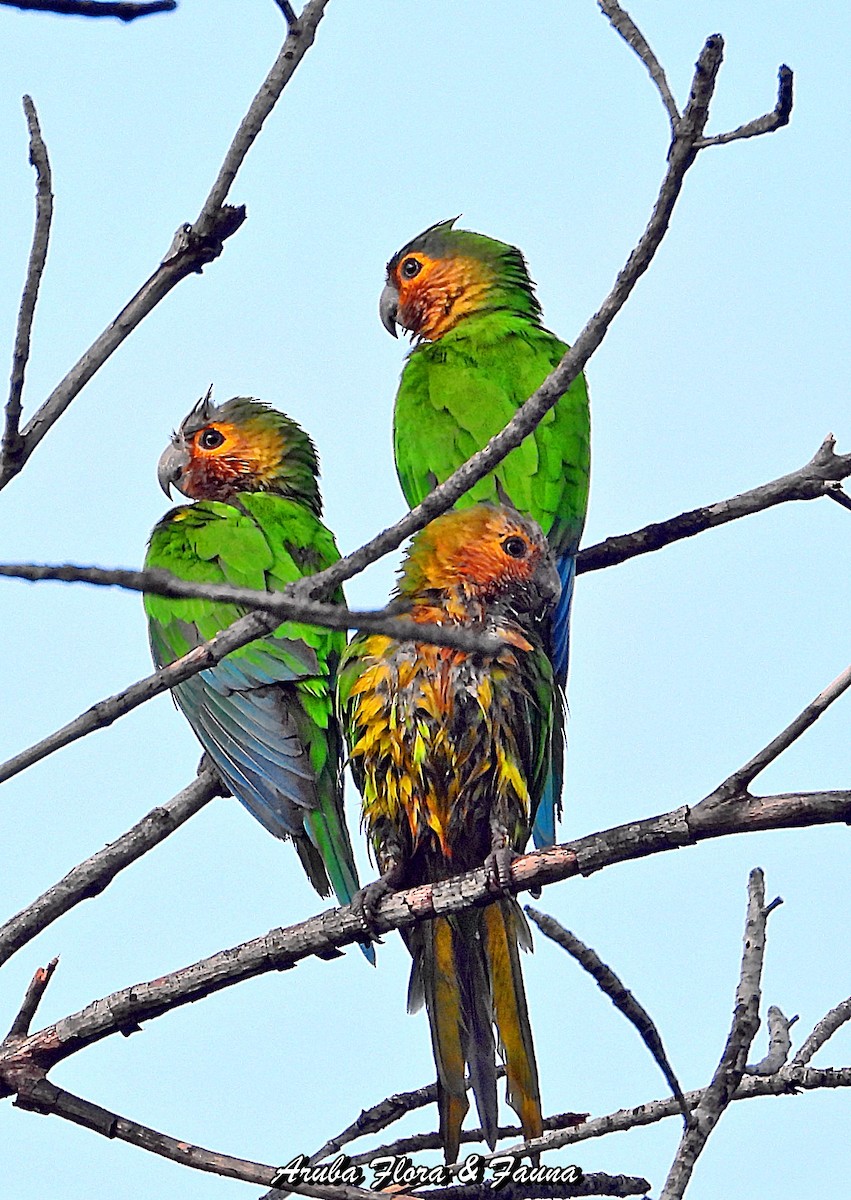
<point x="216" y="459"/>
<point x="435" y="293"/>
<point x="485" y="551"/>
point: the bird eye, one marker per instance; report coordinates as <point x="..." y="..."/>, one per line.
<point x="410" y="268"/>
<point x="210" y="439"/>
<point x="515" y="547"/>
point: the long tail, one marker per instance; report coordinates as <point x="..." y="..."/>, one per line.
<point x="467" y="970"/>
<point x="549" y="808"/>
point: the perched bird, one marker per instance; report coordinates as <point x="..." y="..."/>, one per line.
<point x="480" y="353"/>
<point x="450" y="751"/>
<point x="264" y="714"/>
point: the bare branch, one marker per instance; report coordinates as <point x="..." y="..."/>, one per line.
<point x="776" y="119"/>
<point x="288" y="11"/>
<point x="34" y="993"/>
<point x="619" y="995"/>
<point x="752" y="1087"/>
<point x="91" y="877"/>
<point x="42" y="1096"/>
<point x="11" y="446"/>
<point x="124" y="10"/>
<point x="738" y="782"/>
<point x="682" y="153"/>
<point x="192" y="248"/>
<point x="730" y="1069"/>
<point x="282" y="604"/>
<point x="632" y="35"/>
<point x="825" y="1029"/>
<point x="280" y="949"/>
<point x="102" y="714"/>
<point x="779" y="1043"/>
<point x="816" y="478"/>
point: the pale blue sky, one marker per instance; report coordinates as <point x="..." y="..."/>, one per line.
<point x="538" y="125"/>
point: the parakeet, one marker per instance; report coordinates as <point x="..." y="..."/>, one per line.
<point x="264" y="714"/>
<point x="450" y="751"/>
<point x="480" y="353"/>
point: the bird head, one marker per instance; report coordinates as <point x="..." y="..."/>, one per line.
<point x="446" y="274"/>
<point x="488" y="554"/>
<point x="242" y="445"/>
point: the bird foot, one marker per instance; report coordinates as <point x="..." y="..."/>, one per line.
<point x="366" y="901"/>
<point x="498" y="867"/>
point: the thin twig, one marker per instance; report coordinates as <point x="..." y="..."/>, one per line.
<point x="90" y="878"/>
<point x="752" y="1087"/>
<point x="124" y="10"/>
<point x="288" y="11"/>
<point x="32" y="998"/>
<point x="619" y="995"/>
<point x="825" y="1029"/>
<point x="737" y="783"/>
<point x="193" y="246"/>
<point x="281" y="604"/>
<point x="433" y="1141"/>
<point x="776" y="119"/>
<point x="681" y="156"/>
<point x="102" y="714"/>
<point x="635" y="39"/>
<point x="11" y="445"/>
<point x="281" y="949"/>
<point x="779" y="1044"/>
<point x="731" y="1067"/>
<point x="819" y="477"/>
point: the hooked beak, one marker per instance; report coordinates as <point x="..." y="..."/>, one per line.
<point x="548" y="583"/>
<point x="173" y="461"/>
<point x="388" y="308"/>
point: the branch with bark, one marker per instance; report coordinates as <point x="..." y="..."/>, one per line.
<point x="192" y="248"/>
<point x="123" y="10"/>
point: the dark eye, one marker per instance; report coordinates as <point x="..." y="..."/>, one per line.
<point x="210" y="439"/>
<point x="410" y="268"/>
<point x="515" y="547"/>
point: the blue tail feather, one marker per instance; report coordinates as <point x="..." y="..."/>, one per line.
<point x="549" y="809"/>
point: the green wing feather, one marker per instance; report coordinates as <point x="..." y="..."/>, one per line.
<point x="265" y="712"/>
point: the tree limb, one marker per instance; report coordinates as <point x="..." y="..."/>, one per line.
<point x="635" y="39"/>
<point x="91" y="877"/>
<point x="10" y="449"/>
<point x="819" y="477"/>
<point x="282" y="604"/>
<point x="192" y="248"/>
<point x="280" y="949"/>
<point x="731" y="1068"/>
<point x="620" y="996"/>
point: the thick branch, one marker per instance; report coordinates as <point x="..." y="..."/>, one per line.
<point x="281" y="949"/>
<point x="10" y="449"/>
<point x="96" y="873"/>
<point x="42" y="1096"/>
<point x="124" y="10"/>
<point x="193" y="247"/>
<point x="821" y="476"/>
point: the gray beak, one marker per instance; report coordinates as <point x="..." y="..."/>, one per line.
<point x="388" y="308"/>
<point x="548" y="583"/>
<point x="171" y="466"/>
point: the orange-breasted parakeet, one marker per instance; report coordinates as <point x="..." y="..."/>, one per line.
<point x="480" y="352"/>
<point x="450" y="751"/>
<point x="264" y="714"/>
